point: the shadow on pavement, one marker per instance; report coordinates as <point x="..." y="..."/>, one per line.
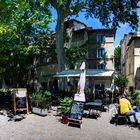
<point x="11" y="116"/>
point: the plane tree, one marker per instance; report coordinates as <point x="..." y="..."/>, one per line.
<point x="18" y="32"/>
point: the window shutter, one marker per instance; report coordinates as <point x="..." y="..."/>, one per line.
<point x="104" y="38"/>
<point x="97" y="38"/>
<point x="103" y="52"/>
<point x="103" y="66"/>
<point x="95" y="52"/>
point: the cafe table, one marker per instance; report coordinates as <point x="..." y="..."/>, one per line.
<point x="94" y="108"/>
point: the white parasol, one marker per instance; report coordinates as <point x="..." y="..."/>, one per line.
<point x="80" y="95"/>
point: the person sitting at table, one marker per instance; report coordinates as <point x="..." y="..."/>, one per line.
<point x="126" y="109"/>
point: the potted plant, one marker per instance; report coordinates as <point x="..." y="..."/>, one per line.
<point x="64" y="109"/>
<point x="136" y="97"/>
<point x="41" y="102"/>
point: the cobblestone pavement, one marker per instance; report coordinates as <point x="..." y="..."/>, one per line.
<point x="34" y="127"/>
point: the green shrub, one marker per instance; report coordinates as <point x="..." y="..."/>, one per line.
<point x="41" y="99"/>
<point x="136" y="96"/>
<point x="65" y="105"/>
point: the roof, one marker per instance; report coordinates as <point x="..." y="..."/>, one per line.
<point x="131" y="39"/>
<point x="110" y="30"/>
<point x="89" y="73"/>
<point x="97" y="31"/>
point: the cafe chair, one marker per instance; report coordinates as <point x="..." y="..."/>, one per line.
<point x="106" y="104"/>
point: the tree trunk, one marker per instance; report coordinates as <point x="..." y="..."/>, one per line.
<point x="34" y="73"/>
<point x="3" y="83"/>
<point x="60" y="46"/>
<point x="60" y="41"/>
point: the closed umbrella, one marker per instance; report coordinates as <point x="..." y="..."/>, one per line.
<point x="80" y="96"/>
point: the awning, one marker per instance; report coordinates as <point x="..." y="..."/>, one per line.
<point x="89" y="73"/>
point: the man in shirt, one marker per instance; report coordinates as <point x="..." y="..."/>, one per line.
<point x="126" y="109"/>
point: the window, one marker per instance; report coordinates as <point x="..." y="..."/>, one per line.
<point x="77" y="27"/>
<point x="94" y="66"/>
<point x="99" y="52"/>
<point x="101" y="38"/>
<point x="102" y="66"/>
<point x="98" y="66"/>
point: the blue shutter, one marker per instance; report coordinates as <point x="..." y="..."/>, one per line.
<point x="95" y="52"/>
<point x="97" y="38"/>
<point x="94" y="66"/>
<point x="104" y="39"/>
<point x="103" y="52"/>
<point x="103" y="66"/>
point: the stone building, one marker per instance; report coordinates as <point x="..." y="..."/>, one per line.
<point x="133" y="62"/>
<point x="100" y="54"/>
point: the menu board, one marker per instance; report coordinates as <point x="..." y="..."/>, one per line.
<point x="20" y="100"/>
<point x="77" y="110"/>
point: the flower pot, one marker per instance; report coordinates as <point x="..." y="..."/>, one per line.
<point x="39" y="111"/>
<point x="64" y="119"/>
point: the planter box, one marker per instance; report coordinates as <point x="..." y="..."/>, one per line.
<point x="39" y="111"/>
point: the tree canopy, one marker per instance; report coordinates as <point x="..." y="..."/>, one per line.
<point x="117" y="57"/>
<point x="121" y="81"/>
<point x="20" y="35"/>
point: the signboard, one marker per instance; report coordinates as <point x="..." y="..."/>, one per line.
<point x="76" y="113"/>
<point x="20" y="100"/>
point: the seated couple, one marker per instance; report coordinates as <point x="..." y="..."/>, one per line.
<point x="126" y="109"/>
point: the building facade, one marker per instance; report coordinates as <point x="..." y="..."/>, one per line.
<point x="133" y="62"/>
<point x="101" y="49"/>
<point x="123" y="44"/>
<point x="100" y="52"/>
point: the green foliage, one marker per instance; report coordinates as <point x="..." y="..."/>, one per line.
<point x="24" y="23"/>
<point x="31" y="50"/>
<point x="136" y="96"/>
<point x="75" y="55"/>
<point x="41" y="99"/>
<point x="114" y="12"/>
<point x="110" y="13"/>
<point x="6" y="11"/>
<point x="65" y="105"/>
<point x="121" y="81"/>
<point x="117" y="56"/>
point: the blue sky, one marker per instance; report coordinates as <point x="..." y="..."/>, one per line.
<point x="95" y="24"/>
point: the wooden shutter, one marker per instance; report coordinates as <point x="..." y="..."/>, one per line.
<point x="103" y="52"/>
<point x="103" y="38"/>
<point x="103" y="66"/>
